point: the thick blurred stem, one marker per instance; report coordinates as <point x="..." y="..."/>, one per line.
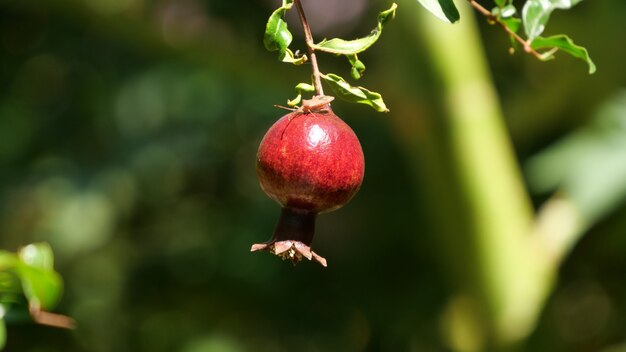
<point x="505" y="282"/>
<point x="317" y="80"/>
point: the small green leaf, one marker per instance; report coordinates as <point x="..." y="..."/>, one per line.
<point x="277" y="36"/>
<point x="301" y="88"/>
<point x="38" y="255"/>
<point x="350" y="47"/>
<point x="305" y="88"/>
<point x="355" y="94"/>
<point x="445" y="10"/>
<point x="508" y="11"/>
<point x="295" y="101"/>
<point x="7" y="260"/>
<point x="512" y="23"/>
<point x="358" y="67"/>
<point x="289" y="57"/>
<point x="40" y="283"/>
<point x="40" y="286"/>
<point x="501" y="3"/>
<point x="564" y="43"/>
<point x="536" y="14"/>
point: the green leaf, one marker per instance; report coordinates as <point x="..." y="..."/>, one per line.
<point x="352" y="94"/>
<point x="445" y="10"/>
<point x="301" y="88"/>
<point x="564" y="43"/>
<point x="289" y="57"/>
<point x="295" y="101"/>
<point x="350" y="47"/>
<point x="501" y="3"/>
<point x="43" y="287"/>
<point x="305" y="88"/>
<point x="513" y="23"/>
<point x="277" y="36"/>
<point x="40" y="283"/>
<point x="504" y="12"/>
<point x="7" y="260"/>
<point x="536" y="14"/>
<point x="358" y="67"/>
<point x="38" y="255"/>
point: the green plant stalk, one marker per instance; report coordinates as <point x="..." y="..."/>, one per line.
<point x="506" y="281"/>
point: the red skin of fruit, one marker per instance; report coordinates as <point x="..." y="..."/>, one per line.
<point x="309" y="162"/>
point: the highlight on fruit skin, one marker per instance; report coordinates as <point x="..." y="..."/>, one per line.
<point x="310" y="162"/>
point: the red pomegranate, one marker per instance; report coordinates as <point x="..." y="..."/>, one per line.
<point x="310" y="162"/>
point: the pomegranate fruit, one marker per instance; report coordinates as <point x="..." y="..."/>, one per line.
<point x="310" y="162"/>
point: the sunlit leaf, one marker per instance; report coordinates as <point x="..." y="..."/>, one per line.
<point x="43" y="287"/>
<point x="289" y="57"/>
<point x="513" y="23"/>
<point x="301" y="88"/>
<point x="351" y="47"/>
<point x="501" y="3"/>
<point x="564" y="43"/>
<point x="305" y="88"/>
<point x="295" y="101"/>
<point x="40" y="282"/>
<point x="507" y="11"/>
<point x="536" y="14"/>
<point x="445" y="10"/>
<point x="38" y="255"/>
<point x="7" y="260"/>
<point x="358" y="67"/>
<point x="352" y="94"/>
<point x="277" y="36"/>
<point x="10" y="287"/>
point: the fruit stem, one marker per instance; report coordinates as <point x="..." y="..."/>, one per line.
<point x="317" y="80"/>
<point x="295" y="226"/>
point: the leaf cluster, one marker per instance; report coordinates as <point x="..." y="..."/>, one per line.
<point x="534" y="18"/>
<point x="278" y="38"/>
<point x="28" y="274"/>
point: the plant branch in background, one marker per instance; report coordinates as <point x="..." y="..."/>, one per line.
<point x="493" y="19"/>
<point x="533" y="19"/>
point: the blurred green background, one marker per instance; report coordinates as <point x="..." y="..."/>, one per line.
<point x="128" y="133"/>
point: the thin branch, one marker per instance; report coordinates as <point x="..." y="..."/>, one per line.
<point x="50" y="319"/>
<point x="494" y="19"/>
<point x="317" y="80"/>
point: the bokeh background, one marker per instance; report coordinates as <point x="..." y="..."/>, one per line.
<point x="128" y="133"/>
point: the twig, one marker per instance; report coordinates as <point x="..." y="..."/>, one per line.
<point x="317" y="80"/>
<point x="50" y="319"/>
<point x="492" y="18"/>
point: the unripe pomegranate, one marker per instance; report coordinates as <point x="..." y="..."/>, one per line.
<point x="310" y="162"/>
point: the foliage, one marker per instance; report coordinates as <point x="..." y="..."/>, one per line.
<point x="278" y="37"/>
<point x="30" y="274"/>
<point x="534" y="17"/>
